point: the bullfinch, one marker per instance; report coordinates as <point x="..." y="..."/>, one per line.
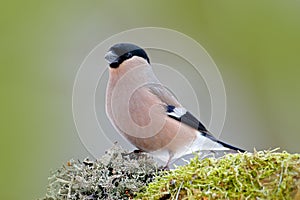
<point x="147" y="114"/>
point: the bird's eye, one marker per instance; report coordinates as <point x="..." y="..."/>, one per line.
<point x="129" y="55"/>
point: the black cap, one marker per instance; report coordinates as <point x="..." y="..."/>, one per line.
<point x="120" y="52"/>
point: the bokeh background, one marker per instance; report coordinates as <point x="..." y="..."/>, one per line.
<point x="255" y="45"/>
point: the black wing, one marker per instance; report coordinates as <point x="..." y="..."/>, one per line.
<point x="182" y="115"/>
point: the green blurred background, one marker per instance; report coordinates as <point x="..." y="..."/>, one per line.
<point x="255" y="44"/>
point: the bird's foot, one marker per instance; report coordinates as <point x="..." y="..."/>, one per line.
<point x="136" y="154"/>
<point x="163" y="168"/>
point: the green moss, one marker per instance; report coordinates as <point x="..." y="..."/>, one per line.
<point x="261" y="175"/>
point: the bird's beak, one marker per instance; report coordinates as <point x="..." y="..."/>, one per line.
<point x="111" y="57"/>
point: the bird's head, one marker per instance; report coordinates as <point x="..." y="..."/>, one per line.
<point x="121" y="52"/>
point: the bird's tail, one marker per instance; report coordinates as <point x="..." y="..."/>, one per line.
<point x="230" y="146"/>
<point x="206" y="141"/>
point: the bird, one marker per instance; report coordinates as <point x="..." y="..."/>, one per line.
<point x="147" y="114"/>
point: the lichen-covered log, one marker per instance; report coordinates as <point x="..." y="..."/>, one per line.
<point x="258" y="175"/>
<point x="123" y="175"/>
<point x="117" y="175"/>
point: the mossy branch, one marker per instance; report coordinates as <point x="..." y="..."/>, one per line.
<point x="122" y="175"/>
